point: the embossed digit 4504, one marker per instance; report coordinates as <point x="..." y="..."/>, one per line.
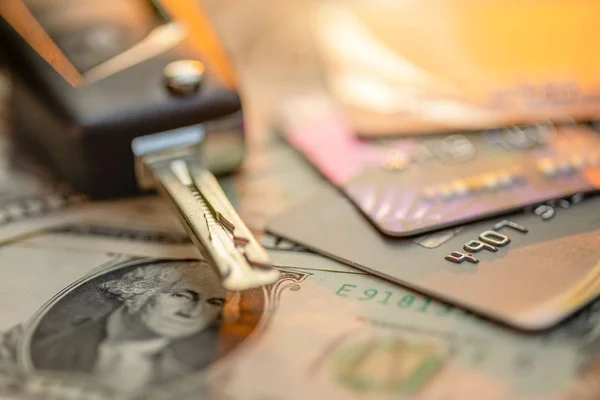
<point x="488" y="240"/>
<point x="492" y="240"/>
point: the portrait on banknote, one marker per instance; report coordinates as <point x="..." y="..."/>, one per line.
<point x="145" y="324"/>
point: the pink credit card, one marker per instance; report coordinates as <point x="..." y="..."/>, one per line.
<point x="414" y="185"/>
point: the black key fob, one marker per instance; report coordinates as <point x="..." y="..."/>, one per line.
<point x="90" y="76"/>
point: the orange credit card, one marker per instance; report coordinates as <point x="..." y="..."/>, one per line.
<point x="406" y="67"/>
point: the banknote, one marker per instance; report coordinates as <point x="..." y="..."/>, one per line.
<point x="82" y="324"/>
<point x="87" y="324"/>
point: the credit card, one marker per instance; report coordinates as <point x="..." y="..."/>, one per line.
<point x="499" y="63"/>
<point x="415" y="185"/>
<point x="529" y="269"/>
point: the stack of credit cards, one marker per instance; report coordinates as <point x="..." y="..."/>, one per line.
<point x="505" y="222"/>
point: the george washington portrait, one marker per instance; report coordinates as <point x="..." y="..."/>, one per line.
<point x="144" y="324"/>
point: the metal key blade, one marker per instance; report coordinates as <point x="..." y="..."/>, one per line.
<point x="209" y="218"/>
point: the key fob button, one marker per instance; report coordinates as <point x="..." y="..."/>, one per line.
<point x="183" y="77"/>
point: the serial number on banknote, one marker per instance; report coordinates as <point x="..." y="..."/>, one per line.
<point x="388" y="298"/>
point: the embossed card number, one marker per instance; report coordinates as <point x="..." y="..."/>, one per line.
<point x="492" y="240"/>
<point x="488" y="240"/>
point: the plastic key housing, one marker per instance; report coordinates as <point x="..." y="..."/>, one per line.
<point x="93" y="77"/>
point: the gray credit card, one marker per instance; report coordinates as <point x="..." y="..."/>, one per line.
<point x="529" y="269"/>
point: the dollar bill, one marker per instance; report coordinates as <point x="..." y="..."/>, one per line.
<point x="87" y="324"/>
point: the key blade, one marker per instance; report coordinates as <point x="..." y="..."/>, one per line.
<point x="211" y="189"/>
<point x="168" y="161"/>
<point x="197" y="198"/>
<point x="221" y="211"/>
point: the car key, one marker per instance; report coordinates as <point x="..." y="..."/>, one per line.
<point x="126" y="95"/>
